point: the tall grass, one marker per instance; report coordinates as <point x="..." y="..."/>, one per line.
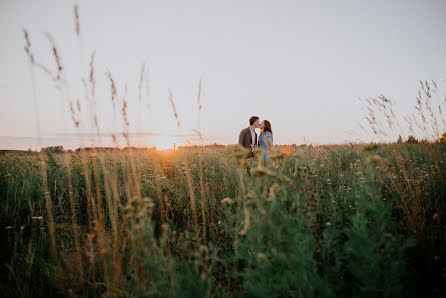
<point x="362" y="220"/>
<point x="321" y="221"/>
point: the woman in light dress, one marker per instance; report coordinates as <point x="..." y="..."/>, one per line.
<point x="266" y="138"/>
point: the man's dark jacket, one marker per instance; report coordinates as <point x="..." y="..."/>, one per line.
<point x="245" y="140"/>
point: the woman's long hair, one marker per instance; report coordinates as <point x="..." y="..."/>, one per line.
<point x="267" y="126"/>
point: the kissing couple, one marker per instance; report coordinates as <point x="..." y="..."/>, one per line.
<point x="248" y="137"/>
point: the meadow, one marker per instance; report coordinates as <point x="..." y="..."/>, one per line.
<point x="324" y="221"/>
<point x="358" y="220"/>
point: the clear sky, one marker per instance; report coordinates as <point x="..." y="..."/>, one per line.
<point x="302" y="65"/>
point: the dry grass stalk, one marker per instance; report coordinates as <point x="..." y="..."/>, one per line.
<point x="147" y="87"/>
<point x="58" y="75"/>
<point x="76" y="20"/>
<point x="125" y="119"/>
<point x="141" y="81"/>
<point x="174" y="108"/>
<point x="140" y="95"/>
<point x="31" y="65"/>
<point x="92" y="77"/>
<point x="427" y="122"/>
<point x="114" y="92"/>
<point x="199" y="104"/>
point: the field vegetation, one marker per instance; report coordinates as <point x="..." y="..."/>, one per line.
<point x="364" y="220"/>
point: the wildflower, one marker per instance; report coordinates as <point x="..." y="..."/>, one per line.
<point x="8" y="175"/>
<point x="287" y="150"/>
<point x="328" y="223"/>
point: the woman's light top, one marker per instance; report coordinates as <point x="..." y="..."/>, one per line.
<point x="265" y="141"/>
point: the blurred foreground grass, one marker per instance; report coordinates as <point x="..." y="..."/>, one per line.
<point x="364" y="220"/>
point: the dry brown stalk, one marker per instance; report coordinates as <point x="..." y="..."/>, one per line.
<point x="56" y="56"/>
<point x="31" y="66"/>
<point x="199" y="104"/>
<point x="147" y="87"/>
<point x="92" y="77"/>
<point x="174" y="109"/>
<point x="114" y="93"/>
<point x="140" y="95"/>
<point x="141" y="81"/>
<point x="76" y="20"/>
<point x="28" y="47"/>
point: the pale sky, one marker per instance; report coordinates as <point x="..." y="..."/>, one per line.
<point x="302" y="65"/>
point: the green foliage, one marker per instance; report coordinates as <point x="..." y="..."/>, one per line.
<point x="442" y="139"/>
<point x="412" y="140"/>
<point x="374" y="252"/>
<point x="321" y="221"/>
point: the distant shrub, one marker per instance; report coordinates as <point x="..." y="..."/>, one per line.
<point x="53" y="149"/>
<point x="412" y="140"/>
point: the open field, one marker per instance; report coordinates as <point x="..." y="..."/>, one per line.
<point x="363" y="220"/>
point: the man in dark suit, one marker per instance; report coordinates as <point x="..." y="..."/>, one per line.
<point x="248" y="136"/>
